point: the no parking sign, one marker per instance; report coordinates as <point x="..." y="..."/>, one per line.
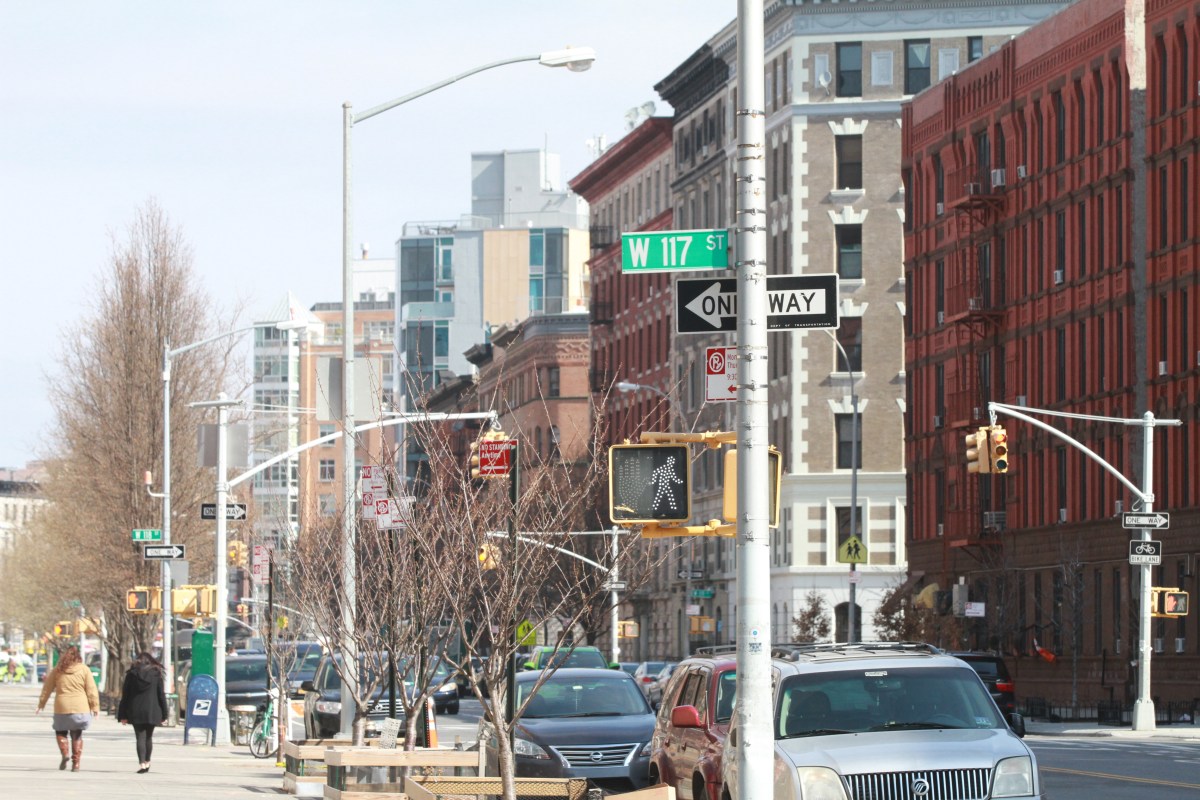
<point x="720" y="374"/>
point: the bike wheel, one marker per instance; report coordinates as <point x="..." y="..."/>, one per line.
<point x="262" y="740"/>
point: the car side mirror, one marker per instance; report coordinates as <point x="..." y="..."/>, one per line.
<point x="686" y="717"/>
<point x="528" y="665"/>
<point x="307" y="686"/>
<point x="1017" y="723"/>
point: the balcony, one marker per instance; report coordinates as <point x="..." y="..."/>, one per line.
<point x="600" y="312"/>
<point x="602" y="236"/>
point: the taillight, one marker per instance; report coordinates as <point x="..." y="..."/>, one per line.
<point x="1005" y="686"/>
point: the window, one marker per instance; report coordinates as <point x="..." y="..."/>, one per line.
<point x="849" y="336"/>
<point x="1164" y="207"/>
<point x="849" y="162"/>
<point x="974" y="48"/>
<point x="849" y="451"/>
<point x="1099" y="116"/>
<point x="916" y="65"/>
<point x="1185" y="84"/>
<point x="1060" y="129"/>
<point x="323" y="431"/>
<point x="326" y="470"/>
<point x="328" y="506"/>
<point x="1060" y="242"/>
<point x="849" y="251"/>
<point x="552" y="382"/>
<point x="1185" y="210"/>
<point x="537" y="250"/>
<point x="849" y="66"/>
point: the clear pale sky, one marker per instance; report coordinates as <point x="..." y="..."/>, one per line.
<point x="228" y="114"/>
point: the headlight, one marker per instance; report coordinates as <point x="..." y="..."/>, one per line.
<point x="329" y="707"/>
<point x="820" y="783"/>
<point x="1014" y="778"/>
<point x="645" y="751"/>
<point x="524" y="747"/>
<point x="448" y="687"/>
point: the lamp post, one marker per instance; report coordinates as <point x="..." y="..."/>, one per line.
<point x="165" y="494"/>
<point x="853" y="487"/>
<point x="576" y="59"/>
<point x="221" y="613"/>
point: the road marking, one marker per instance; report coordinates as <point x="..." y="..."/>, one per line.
<point x="1085" y="773"/>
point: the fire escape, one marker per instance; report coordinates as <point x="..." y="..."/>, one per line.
<point x="600" y="306"/>
<point x="975" y="205"/>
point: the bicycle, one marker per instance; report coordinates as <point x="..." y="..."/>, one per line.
<point x="264" y="738"/>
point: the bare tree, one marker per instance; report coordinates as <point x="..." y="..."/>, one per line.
<point x="898" y="618"/>
<point x="811" y="623"/>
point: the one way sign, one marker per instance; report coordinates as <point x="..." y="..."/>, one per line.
<point x="232" y="511"/>
<point x="163" y="552"/>
<point x="709" y="305"/>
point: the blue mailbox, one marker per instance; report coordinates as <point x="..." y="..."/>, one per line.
<point x="201" y="707"/>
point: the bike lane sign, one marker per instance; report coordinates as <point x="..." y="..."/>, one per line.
<point x="1145" y="552"/>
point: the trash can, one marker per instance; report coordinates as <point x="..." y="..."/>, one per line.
<point x="172" y="710"/>
<point x="241" y="723"/>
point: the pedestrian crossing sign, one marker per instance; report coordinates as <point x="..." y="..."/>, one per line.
<point x="852" y="551"/>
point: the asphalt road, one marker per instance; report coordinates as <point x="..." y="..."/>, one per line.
<point x="1106" y="769"/>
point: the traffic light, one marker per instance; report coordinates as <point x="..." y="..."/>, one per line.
<point x="64" y="628"/>
<point x="730" y="489"/>
<point x="486" y="556"/>
<point x="997" y="442"/>
<point x="1174" y="603"/>
<point x="649" y="483"/>
<point x="243" y="609"/>
<point x="237" y="553"/>
<point x="627" y="629"/>
<point x="194" y="601"/>
<point x="143" y="600"/>
<point x="977" y="451"/>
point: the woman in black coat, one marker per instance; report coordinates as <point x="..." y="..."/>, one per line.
<point x="143" y="704"/>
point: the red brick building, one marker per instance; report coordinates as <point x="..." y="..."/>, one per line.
<point x="1052" y="252"/>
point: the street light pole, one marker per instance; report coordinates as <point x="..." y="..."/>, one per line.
<point x="575" y="59"/>
<point x="850" y="624"/>
<point x="221" y="613"/>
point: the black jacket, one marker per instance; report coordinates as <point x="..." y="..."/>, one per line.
<point x="142" y="697"/>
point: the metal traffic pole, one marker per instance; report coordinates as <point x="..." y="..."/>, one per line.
<point x="755" y="742"/>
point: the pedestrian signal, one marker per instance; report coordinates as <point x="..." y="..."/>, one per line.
<point x="997" y="442"/>
<point x="649" y="483"/>
<point x="977" y="451"/>
<point x="627" y="629"/>
<point x="1174" y="604"/>
<point x="730" y="489"/>
<point x="143" y="600"/>
<point x="194" y="601"/>
<point x="64" y="628"/>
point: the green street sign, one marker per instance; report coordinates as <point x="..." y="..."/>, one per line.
<point x="147" y="535"/>
<point x="674" y="250"/>
<point x="703" y="594"/>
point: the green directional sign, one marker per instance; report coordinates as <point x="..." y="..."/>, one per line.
<point x="147" y="535"/>
<point x="674" y="250"/>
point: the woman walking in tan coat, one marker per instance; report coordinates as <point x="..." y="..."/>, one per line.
<point x="76" y="701"/>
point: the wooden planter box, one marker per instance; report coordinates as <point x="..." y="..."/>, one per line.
<point x="304" y="765"/>
<point x="351" y="773"/>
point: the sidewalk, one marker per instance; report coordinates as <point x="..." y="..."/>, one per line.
<point x="29" y="761"/>
<point x="1178" y="732"/>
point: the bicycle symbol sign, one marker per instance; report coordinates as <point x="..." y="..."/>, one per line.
<point x="1145" y="552"/>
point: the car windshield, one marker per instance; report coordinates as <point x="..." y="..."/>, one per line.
<point x="301" y="662"/>
<point x="572" y="658"/>
<point x="591" y="696"/>
<point x="726" y="693"/>
<point x="857" y="701"/>
<point x="240" y="669"/>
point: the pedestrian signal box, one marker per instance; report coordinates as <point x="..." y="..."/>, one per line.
<point x="64" y="628"/>
<point x="649" y="483"/>
<point x="144" y="600"/>
<point x="730" y="490"/>
<point x="194" y="601"/>
<point x="627" y="629"/>
<point x="1168" y="602"/>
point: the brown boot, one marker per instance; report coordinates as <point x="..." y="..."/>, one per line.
<point x="63" y="748"/>
<point x="76" y="752"/>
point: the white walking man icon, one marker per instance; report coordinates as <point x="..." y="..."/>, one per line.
<point x="663" y="480"/>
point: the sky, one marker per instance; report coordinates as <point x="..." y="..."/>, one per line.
<point x="228" y="113"/>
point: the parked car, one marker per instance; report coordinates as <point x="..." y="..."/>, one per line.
<point x="994" y="674"/>
<point x="323" y="697"/>
<point x="630" y="666"/>
<point x="646" y="672"/>
<point x="691" y="726"/>
<point x="477" y="664"/>
<point x="654" y="689"/>
<point x="245" y="682"/>
<point x="300" y="659"/>
<point x="580" y="723"/>
<point x="851" y="718"/>
<point x="580" y="656"/>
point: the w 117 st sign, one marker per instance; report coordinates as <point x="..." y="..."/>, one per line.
<point x="709" y="305"/>
<point x="653" y="252"/>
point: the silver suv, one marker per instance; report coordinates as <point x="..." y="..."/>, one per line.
<point x="894" y="721"/>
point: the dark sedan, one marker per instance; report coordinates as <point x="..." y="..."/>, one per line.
<point x="582" y="723"/>
<point x="323" y="697"/>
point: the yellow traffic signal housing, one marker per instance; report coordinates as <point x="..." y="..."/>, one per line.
<point x="144" y="600"/>
<point x="730" y="489"/>
<point x="627" y="629"/>
<point x="649" y="483"/>
<point x="237" y="553"/>
<point x="997" y="444"/>
<point x="1168" y="602"/>
<point x="486" y="556"/>
<point x="194" y="601"/>
<point x="977" y="451"/>
<point x="64" y="628"/>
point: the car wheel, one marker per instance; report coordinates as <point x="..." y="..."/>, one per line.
<point x="452" y="708"/>
<point x="699" y="787"/>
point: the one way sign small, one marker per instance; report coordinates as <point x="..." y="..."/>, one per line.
<point x="1154" y="520"/>
<point x="232" y="511"/>
<point x="710" y="305"/>
<point x="163" y="552"/>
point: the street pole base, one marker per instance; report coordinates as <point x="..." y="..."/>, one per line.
<point x="1143" y="715"/>
<point x="221" y="734"/>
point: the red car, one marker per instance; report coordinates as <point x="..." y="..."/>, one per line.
<point x="692" y="723"/>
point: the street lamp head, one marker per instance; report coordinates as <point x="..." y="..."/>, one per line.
<point x="626" y="386"/>
<point x="576" y="59"/>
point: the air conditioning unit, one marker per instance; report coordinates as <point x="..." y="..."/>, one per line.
<point x="940" y="209"/>
<point x="1020" y="399"/>
<point x="976" y="413"/>
<point x="1180" y="644"/>
<point x="1198" y="358"/>
<point x="1062" y="515"/>
<point x="1059" y="277"/>
<point x="941" y="529"/>
<point x="937" y="420"/>
<point x="1118" y="507"/>
<point x="1158" y="645"/>
<point x="998" y="177"/>
<point x="1022" y="172"/>
<point x="995" y="520"/>
<point x="975" y="303"/>
<point x="941" y="317"/>
<point x="1162" y="368"/>
<point x="974" y="188"/>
